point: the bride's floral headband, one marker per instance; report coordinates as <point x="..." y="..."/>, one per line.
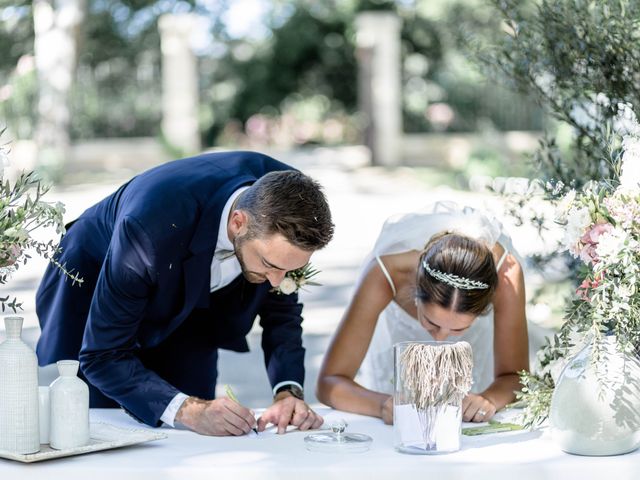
<point x="455" y="281"/>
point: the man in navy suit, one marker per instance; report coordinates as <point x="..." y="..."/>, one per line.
<point x="178" y="263"/>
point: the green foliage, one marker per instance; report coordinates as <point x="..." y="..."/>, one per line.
<point x="17" y="78"/>
<point x="536" y="395"/>
<point x="118" y="85"/>
<point x="306" y="64"/>
<point x="307" y="55"/>
<point x="16" y="34"/>
<point x="578" y="59"/>
<point x="313" y="52"/>
<point x="23" y="210"/>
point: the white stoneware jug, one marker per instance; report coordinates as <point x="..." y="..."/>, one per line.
<point x="19" y="425"/>
<point x="596" y="413"/>
<point x="69" y="397"/>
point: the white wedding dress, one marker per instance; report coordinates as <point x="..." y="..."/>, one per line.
<point x="412" y="232"/>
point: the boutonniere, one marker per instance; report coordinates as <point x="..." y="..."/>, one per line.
<point x="296" y="279"/>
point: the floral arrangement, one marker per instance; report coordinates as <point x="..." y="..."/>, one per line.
<point x="601" y="228"/>
<point x="296" y="279"/>
<point x="22" y="211"/>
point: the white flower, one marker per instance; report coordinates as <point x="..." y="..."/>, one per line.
<point x="565" y="203"/>
<point x="626" y="122"/>
<point x="630" y="172"/>
<point x="611" y="244"/>
<point x="603" y="100"/>
<point x="288" y="286"/>
<point x="18" y="234"/>
<point x="516" y="185"/>
<point x="625" y="292"/>
<point x="578" y="219"/>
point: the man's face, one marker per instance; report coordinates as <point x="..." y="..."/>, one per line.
<point x="268" y="258"/>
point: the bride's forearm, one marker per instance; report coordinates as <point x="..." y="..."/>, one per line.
<point x="503" y="390"/>
<point x="343" y="393"/>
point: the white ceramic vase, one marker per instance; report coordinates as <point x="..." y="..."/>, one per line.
<point x="598" y="413"/>
<point x="69" y="408"/>
<point x="19" y="424"/>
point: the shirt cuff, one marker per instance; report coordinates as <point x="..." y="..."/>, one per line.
<point x="286" y="382"/>
<point x="169" y="415"/>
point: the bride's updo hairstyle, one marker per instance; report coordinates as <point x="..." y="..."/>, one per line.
<point x="457" y="273"/>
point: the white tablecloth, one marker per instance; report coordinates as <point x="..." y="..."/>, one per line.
<point x="186" y="455"/>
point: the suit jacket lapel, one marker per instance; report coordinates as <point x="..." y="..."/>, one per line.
<point x="197" y="268"/>
<point x="206" y="233"/>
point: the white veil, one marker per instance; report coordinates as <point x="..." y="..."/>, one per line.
<point x="412" y="231"/>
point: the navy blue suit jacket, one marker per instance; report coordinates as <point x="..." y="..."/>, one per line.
<point x="145" y="254"/>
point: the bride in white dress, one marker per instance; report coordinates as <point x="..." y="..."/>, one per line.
<point x="467" y="283"/>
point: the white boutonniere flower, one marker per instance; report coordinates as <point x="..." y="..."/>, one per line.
<point x="296" y="279"/>
<point x="287" y="286"/>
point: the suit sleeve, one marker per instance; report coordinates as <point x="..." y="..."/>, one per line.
<point x="281" y="320"/>
<point x="107" y="356"/>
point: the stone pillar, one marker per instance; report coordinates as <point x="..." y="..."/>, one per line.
<point x="179" y="82"/>
<point x="379" y="84"/>
<point x="56" y="28"/>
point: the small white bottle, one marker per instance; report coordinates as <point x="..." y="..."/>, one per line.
<point x="69" y="397"/>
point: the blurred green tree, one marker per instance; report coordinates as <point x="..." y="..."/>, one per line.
<point x="311" y="52"/>
<point x="303" y="66"/>
<point x="117" y="87"/>
<point x="17" y="80"/>
<point x="578" y="59"/>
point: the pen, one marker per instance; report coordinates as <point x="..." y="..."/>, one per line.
<point x="233" y="397"/>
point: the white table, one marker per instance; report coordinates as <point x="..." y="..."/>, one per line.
<point x="185" y="455"/>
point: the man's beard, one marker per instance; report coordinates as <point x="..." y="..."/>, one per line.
<point x="251" y="277"/>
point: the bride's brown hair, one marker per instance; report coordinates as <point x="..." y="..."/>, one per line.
<point x="463" y="257"/>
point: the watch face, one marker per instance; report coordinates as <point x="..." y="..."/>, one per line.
<point x="297" y="392"/>
<point x="293" y="390"/>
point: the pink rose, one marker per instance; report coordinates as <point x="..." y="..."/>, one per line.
<point x="589" y="242"/>
<point x="588" y="253"/>
<point x="598" y="230"/>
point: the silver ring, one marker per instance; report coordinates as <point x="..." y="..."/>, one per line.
<point x="482" y="413"/>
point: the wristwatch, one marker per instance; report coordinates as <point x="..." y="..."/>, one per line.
<point x="294" y="390"/>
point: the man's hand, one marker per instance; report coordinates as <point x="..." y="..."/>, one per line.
<point x="217" y="417"/>
<point x="288" y="410"/>
<point x="476" y="408"/>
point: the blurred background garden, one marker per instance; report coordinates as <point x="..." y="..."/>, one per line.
<point x="391" y="104"/>
<point x="255" y="74"/>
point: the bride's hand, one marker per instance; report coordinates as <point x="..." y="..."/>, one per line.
<point x="476" y="408"/>
<point x="386" y="411"/>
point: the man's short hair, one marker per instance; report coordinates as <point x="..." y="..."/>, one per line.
<point x="289" y="203"/>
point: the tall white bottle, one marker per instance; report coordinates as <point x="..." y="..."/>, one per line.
<point x="19" y="424"/>
<point x="69" y="398"/>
